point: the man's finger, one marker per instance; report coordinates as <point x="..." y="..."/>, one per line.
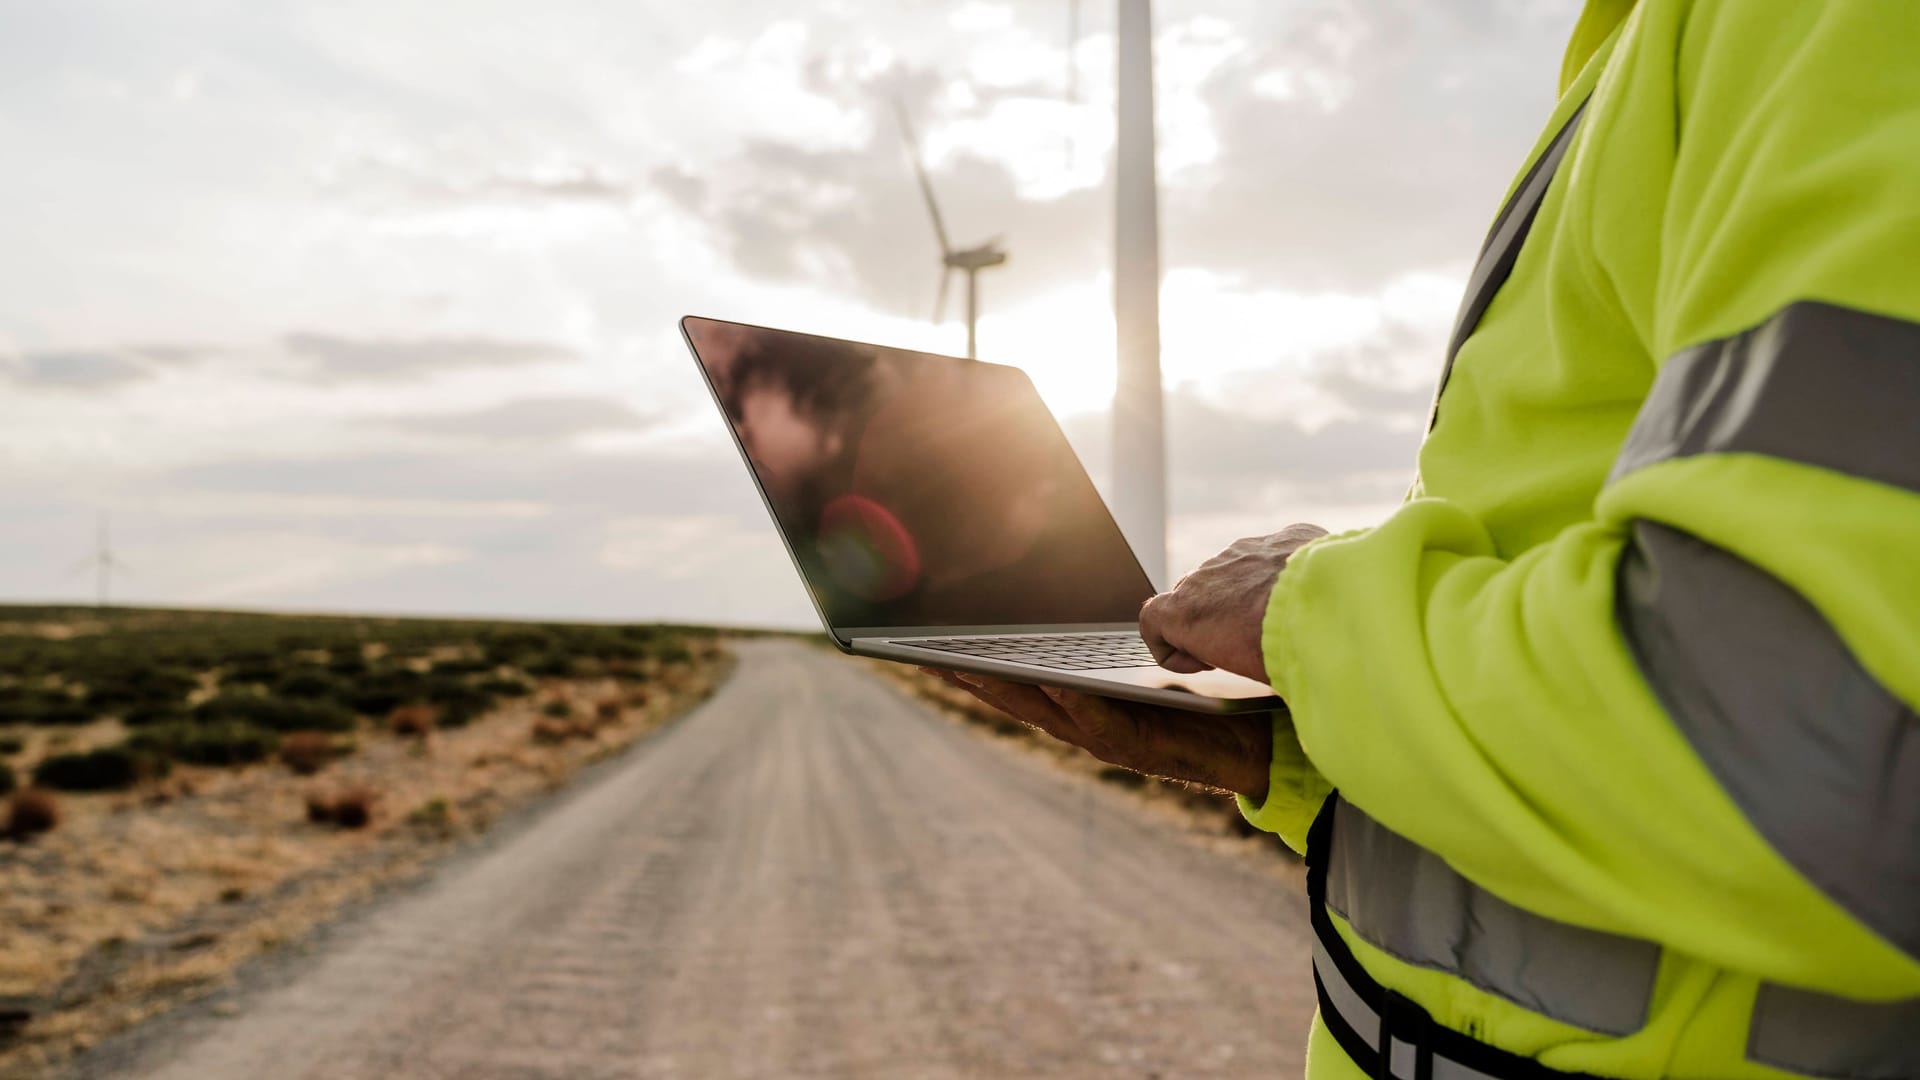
<point x="1153" y="627"/>
<point x="1112" y="729"/>
<point x="1024" y="703"/>
<point x="1184" y="663"/>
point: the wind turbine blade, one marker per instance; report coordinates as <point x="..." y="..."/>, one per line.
<point x="940" y="298"/>
<point x="83" y="565"/>
<point x="920" y="174"/>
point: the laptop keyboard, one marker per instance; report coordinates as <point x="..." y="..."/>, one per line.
<point x="1061" y="652"/>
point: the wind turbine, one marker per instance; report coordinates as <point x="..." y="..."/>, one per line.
<point x="967" y="260"/>
<point x="1139" y="433"/>
<point x="103" y="562"/>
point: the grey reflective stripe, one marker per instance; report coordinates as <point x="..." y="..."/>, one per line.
<point x="1822" y="760"/>
<point x="1365" y="1022"/>
<point x="1407" y="902"/>
<point x="1817" y="384"/>
<point x="1502" y="248"/>
<point x="1805" y="1032"/>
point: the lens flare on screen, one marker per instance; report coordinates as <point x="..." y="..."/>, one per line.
<point x="867" y="550"/>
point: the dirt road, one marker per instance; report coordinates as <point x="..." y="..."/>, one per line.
<point x="811" y="876"/>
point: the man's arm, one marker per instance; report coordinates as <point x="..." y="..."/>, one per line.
<point x="1691" y="718"/>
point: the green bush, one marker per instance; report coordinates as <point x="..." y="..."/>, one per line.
<point x="39" y="705"/>
<point x="311" y="683"/>
<point x="275" y="713"/>
<point x="229" y="742"/>
<point x="148" y="715"/>
<point x="347" y="662"/>
<point x="8" y="779"/>
<point x="672" y="651"/>
<point x="254" y="666"/>
<point x="381" y="692"/>
<point x="550" y="665"/>
<point x="512" y="645"/>
<point x="142" y="685"/>
<point x="504" y="686"/>
<point x="557" y="709"/>
<point x="460" y="703"/>
<point x="110" y="768"/>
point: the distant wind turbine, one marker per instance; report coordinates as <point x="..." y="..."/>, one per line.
<point x="968" y="260"/>
<point x="103" y="562"/>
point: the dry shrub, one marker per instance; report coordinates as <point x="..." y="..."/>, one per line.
<point x="548" y="731"/>
<point x="350" y="807"/>
<point x="436" y="813"/>
<point x="353" y="807"/>
<point x="414" y="721"/>
<point x="638" y="697"/>
<point x="608" y="712"/>
<point x="32" y="812"/>
<point x="306" y="752"/>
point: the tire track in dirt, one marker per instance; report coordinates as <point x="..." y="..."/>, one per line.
<point x="810" y="876"/>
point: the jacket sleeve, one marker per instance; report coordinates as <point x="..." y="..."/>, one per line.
<point x="1689" y="718"/>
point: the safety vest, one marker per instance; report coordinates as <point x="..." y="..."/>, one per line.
<point x="1620" y="705"/>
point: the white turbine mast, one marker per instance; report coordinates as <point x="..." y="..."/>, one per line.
<point x="1139" y="435"/>
<point x="103" y="562"/>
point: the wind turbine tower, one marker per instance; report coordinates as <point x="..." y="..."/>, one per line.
<point x="1139" y="436"/>
<point x="103" y="562"/>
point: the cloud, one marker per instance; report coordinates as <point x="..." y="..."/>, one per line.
<point x="1385" y="138"/>
<point x="74" y="369"/>
<point x="529" y="419"/>
<point x="448" y="199"/>
<point x="1226" y="460"/>
<point x="332" y="359"/>
<point x="1223" y="459"/>
<point x="1349" y="144"/>
<point x="435" y="178"/>
<point x="711" y="480"/>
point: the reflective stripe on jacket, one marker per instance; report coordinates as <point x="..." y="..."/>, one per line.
<point x="1622" y="700"/>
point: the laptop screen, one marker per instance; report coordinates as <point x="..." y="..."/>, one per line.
<point x="918" y="490"/>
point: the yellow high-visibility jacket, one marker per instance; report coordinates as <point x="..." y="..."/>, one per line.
<point x="1620" y="705"/>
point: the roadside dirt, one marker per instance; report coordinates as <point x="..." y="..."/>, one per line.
<point x="810" y="876"/>
<point x="142" y="900"/>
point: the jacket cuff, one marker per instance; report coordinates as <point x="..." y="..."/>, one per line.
<point x="1295" y="789"/>
<point x="1277" y="631"/>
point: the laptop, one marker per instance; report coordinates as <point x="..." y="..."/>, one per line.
<point x="939" y="517"/>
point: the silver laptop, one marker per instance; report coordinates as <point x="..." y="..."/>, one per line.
<point x="939" y="516"/>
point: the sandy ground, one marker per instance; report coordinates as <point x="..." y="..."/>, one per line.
<point x="811" y="876"/>
<point x="143" y="899"/>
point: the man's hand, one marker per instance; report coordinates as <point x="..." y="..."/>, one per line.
<point x="1231" y="753"/>
<point x="1212" y="617"/>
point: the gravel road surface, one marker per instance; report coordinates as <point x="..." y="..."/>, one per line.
<point x="810" y="876"/>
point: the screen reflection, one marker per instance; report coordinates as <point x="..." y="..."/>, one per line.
<point x="919" y="490"/>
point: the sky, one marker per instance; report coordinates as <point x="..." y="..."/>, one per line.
<point x="370" y="305"/>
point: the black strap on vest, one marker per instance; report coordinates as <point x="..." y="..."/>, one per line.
<point x="1502" y="247"/>
<point x="1408" y="1045"/>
